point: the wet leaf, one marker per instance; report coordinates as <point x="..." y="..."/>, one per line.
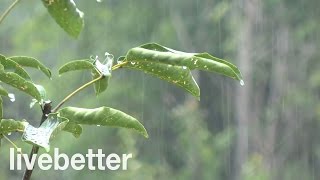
<point x="42" y="135"/>
<point x="75" y="65"/>
<point x="102" y="84"/>
<point x="42" y="91"/>
<point x="103" y="116"/>
<point x="11" y="125"/>
<point x="177" y="75"/>
<point x="66" y="14"/>
<point x="18" y="82"/>
<point x="3" y="92"/>
<point x="31" y="62"/>
<point x="12" y="66"/>
<point x="73" y="128"/>
<point x="203" y="61"/>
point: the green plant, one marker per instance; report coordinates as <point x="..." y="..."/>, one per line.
<point x="151" y="58"/>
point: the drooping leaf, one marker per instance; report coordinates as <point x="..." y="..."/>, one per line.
<point x="3" y="92"/>
<point x="18" y="82"/>
<point x="11" y="125"/>
<point x="102" y="84"/>
<point x="159" y="54"/>
<point x="10" y="65"/>
<point x="47" y="131"/>
<point x="103" y="71"/>
<point x="75" y="65"/>
<point x="73" y="128"/>
<point x="103" y="116"/>
<point x="31" y="62"/>
<point x="42" y="91"/>
<point x="177" y="75"/>
<point x="66" y="14"/>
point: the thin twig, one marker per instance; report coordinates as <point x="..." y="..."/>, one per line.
<point x="84" y="86"/>
<point x="4" y="15"/>
<point x="75" y="92"/>
<point x="13" y="144"/>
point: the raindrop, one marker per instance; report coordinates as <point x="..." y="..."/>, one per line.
<point x="98" y="125"/>
<point x="9" y="134"/>
<point x="12" y="97"/>
<point x="184" y="67"/>
<point x="241" y="82"/>
<point x="99" y="1"/>
<point x="133" y="63"/>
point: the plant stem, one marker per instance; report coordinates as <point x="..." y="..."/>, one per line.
<point x="119" y="65"/>
<point x="4" y="15"/>
<point x="12" y="143"/>
<point x="45" y="111"/>
<point x="84" y="86"/>
<point x="75" y="92"/>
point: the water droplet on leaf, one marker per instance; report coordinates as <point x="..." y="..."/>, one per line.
<point x="12" y="97"/>
<point x="241" y="82"/>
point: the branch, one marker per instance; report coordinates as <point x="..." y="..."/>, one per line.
<point x="4" y="15"/>
<point x="45" y="111"/>
<point x="75" y="92"/>
<point x="86" y="85"/>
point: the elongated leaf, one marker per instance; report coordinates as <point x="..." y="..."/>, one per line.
<point x="75" y="65"/>
<point x="102" y="84"/>
<point x="3" y="92"/>
<point x="66" y="14"/>
<point x="11" y="125"/>
<point x="103" y="116"/>
<point x="31" y="62"/>
<point x="177" y="75"/>
<point x="18" y="82"/>
<point x="159" y="54"/>
<point x="73" y="128"/>
<point x="47" y="131"/>
<point x="10" y="65"/>
<point x="42" y="91"/>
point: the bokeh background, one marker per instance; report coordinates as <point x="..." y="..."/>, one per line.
<point x="267" y="129"/>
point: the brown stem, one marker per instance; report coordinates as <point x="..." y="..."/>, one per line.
<point x="45" y="111"/>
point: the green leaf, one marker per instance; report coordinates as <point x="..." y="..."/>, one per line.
<point x="11" y="125"/>
<point x="31" y="62"/>
<point x="159" y="54"/>
<point x="3" y="92"/>
<point x="102" y="84"/>
<point x="103" y="70"/>
<point x="177" y="75"/>
<point x="47" y="131"/>
<point x="103" y="116"/>
<point x="75" y="65"/>
<point x="66" y="14"/>
<point x="18" y="82"/>
<point x="73" y="128"/>
<point x="42" y="91"/>
<point x="10" y="65"/>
